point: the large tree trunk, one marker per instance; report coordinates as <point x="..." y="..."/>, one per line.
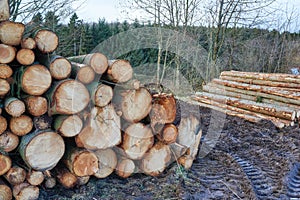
<point x="4" y="10"/>
<point x="42" y="149"/>
<point x="11" y="33"/>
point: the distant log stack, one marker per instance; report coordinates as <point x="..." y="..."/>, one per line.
<point x="64" y="120"/>
<point x="254" y="96"/>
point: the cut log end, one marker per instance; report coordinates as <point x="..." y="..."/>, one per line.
<point x="125" y="168"/>
<point x="28" y="43"/>
<point x="35" y="177"/>
<point x="60" y="68"/>
<point x="103" y="95"/>
<point x="5" y="163"/>
<point x="26" y="191"/>
<point x="68" y="126"/>
<point x="15" y="175"/>
<point x="120" y="71"/>
<point x="11" y="32"/>
<point x="5" y="191"/>
<point x="3" y="124"/>
<point x="36" y="105"/>
<point x="107" y="160"/>
<point x="21" y="125"/>
<point x="5" y="71"/>
<point x="98" y="62"/>
<point x="8" y="141"/>
<point x="7" y="53"/>
<point x="4" y="87"/>
<point x="169" y="134"/>
<point x="25" y="56"/>
<point x="14" y="107"/>
<point x="46" y="41"/>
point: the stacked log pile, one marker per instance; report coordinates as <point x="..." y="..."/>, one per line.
<point x="254" y="96"/>
<point x="69" y="119"/>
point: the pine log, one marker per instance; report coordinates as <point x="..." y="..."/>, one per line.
<point x="107" y="162"/>
<point x="4" y="87"/>
<point x="7" y="53"/>
<point x="28" y="43"/>
<point x="102" y="129"/>
<point x="119" y="71"/>
<point x="97" y="61"/>
<point x="81" y="162"/>
<point x="261" y="82"/>
<point x="3" y="124"/>
<point x="42" y="122"/>
<point x="25" y="56"/>
<point x="49" y="182"/>
<point x="4" y="10"/>
<point x="8" y="141"/>
<point x="125" y="167"/>
<point x="35" y="177"/>
<point x="289" y="78"/>
<point x="137" y="140"/>
<point x="36" y="105"/>
<point x="46" y="41"/>
<point x="68" y="125"/>
<point x="11" y="32"/>
<point x="25" y="191"/>
<point x="135" y="105"/>
<point x="101" y="94"/>
<point x="68" y="97"/>
<point x="83" y="73"/>
<point x="14" y="106"/>
<point x="21" y="125"/>
<point x="5" y="163"/>
<point x="66" y="178"/>
<point x="163" y="111"/>
<point x="60" y="68"/>
<point x="42" y="149"/>
<point x="269" y="90"/>
<point x="5" y="191"/>
<point x="168" y="135"/>
<point x="5" y="71"/>
<point x="156" y="160"/>
<point x="15" y="175"/>
<point x="35" y="79"/>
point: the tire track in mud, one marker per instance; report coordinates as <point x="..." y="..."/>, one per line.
<point x="293" y="182"/>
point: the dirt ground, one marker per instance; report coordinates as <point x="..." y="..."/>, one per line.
<point x="249" y="161"/>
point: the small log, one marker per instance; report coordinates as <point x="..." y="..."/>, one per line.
<point x="14" y="106"/>
<point x="8" y="141"/>
<point x="97" y="61"/>
<point x="7" y="53"/>
<point x="66" y="178"/>
<point x="15" y="175"/>
<point x="21" y="125"/>
<point x="82" y="180"/>
<point x="68" y="125"/>
<point x="42" y="149"/>
<point x="36" y="80"/>
<point x="11" y="32"/>
<point x="83" y="73"/>
<point x="5" y="71"/>
<point x="81" y="162"/>
<point x="5" y="163"/>
<point x="169" y="134"/>
<point x="3" y="124"/>
<point x="101" y="94"/>
<point x="5" y="191"/>
<point x="60" y="68"/>
<point x="42" y="122"/>
<point x="107" y="161"/>
<point x="28" y="43"/>
<point x="25" y="191"/>
<point x="135" y="105"/>
<point x="68" y="97"/>
<point x="25" y="56"/>
<point x="49" y="182"/>
<point x="102" y="130"/>
<point x="35" y="177"/>
<point x="4" y="12"/>
<point x="46" y="41"/>
<point x="36" y="105"/>
<point x="119" y="71"/>
<point x="156" y="160"/>
<point x="4" y="87"/>
<point x="125" y="168"/>
<point x="163" y="111"/>
<point x="137" y="140"/>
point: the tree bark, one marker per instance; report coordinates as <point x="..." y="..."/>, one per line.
<point x="21" y="125"/>
<point x="25" y="56"/>
<point x="15" y="175"/>
<point x="26" y="191"/>
<point x="14" y="107"/>
<point x="4" y="87"/>
<point x="66" y="178"/>
<point x="5" y="71"/>
<point x="68" y="97"/>
<point x="102" y="129"/>
<point x="169" y="134"/>
<point x="3" y="124"/>
<point x="4" y="10"/>
<point x="28" y="43"/>
<point x="36" y="105"/>
<point x="7" y="53"/>
<point x="46" y="41"/>
<point x="35" y="177"/>
<point x="68" y="125"/>
<point x="107" y="162"/>
<point x="11" y="33"/>
<point x="42" y="149"/>
<point x="119" y="71"/>
<point x="156" y="160"/>
<point x="125" y="167"/>
<point x="8" y="141"/>
<point x="5" y="163"/>
<point x="5" y="191"/>
<point x="83" y="73"/>
<point x="137" y="140"/>
<point x="101" y="94"/>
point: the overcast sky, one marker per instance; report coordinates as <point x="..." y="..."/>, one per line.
<point x="111" y="10"/>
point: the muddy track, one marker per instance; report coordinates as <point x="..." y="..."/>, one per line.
<point x="294" y="182"/>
